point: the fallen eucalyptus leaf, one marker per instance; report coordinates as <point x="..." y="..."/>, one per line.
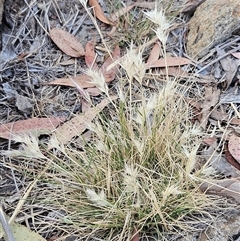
<point x="66" y="42"/>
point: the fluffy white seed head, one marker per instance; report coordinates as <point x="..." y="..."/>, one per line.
<point x="97" y="199"/>
<point x="159" y="18"/>
<point x="29" y="147"/>
<point x="97" y="79"/>
<point x="130" y="176"/>
<point x="134" y="65"/>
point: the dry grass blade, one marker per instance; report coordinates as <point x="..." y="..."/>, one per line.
<point x="130" y="170"/>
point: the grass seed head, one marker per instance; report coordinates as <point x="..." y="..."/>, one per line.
<point x="159" y="18"/>
<point x="134" y="65"/>
<point x="29" y="147"/>
<point x="97" y="199"/>
<point x="98" y="79"/>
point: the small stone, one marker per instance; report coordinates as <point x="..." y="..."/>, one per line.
<point x="213" y="22"/>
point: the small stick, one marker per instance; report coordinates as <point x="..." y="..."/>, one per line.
<point x="6" y="226"/>
<point x="217" y="59"/>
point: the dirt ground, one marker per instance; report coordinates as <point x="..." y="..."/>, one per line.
<point x="29" y="59"/>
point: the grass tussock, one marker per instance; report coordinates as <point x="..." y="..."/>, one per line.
<point x="137" y="172"/>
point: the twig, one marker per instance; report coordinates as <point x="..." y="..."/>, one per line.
<point x="6" y="226"/>
<point x="217" y="59"/>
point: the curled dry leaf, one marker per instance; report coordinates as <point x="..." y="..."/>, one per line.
<point x="110" y="73"/>
<point x="66" y="42"/>
<point x="41" y="125"/>
<point x="230" y="158"/>
<point x="90" y="55"/>
<point x="227" y="187"/>
<point x="78" y="124"/>
<point x="234" y="147"/>
<point x="99" y="12"/>
<point x="170" y="61"/>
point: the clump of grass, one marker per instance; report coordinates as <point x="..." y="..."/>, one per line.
<point x="137" y="173"/>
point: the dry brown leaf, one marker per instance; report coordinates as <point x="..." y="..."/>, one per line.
<point x="221" y="116"/>
<point x="93" y="91"/>
<point x="236" y="55"/>
<point x="230" y="159"/>
<point x="81" y="80"/>
<point x="227" y="187"/>
<point x="78" y="124"/>
<point x="99" y="12"/>
<point x="42" y="125"/>
<point x="84" y="81"/>
<point x="115" y="16"/>
<point x="155" y="53"/>
<point x="90" y="55"/>
<point x="66" y="42"/>
<point x="150" y="5"/>
<point x="218" y="162"/>
<point x="170" y="61"/>
<point x="211" y="99"/>
<point x="209" y="140"/>
<point x="234" y="146"/>
<point x="173" y="71"/>
<point x="229" y="65"/>
<point x="110" y="73"/>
